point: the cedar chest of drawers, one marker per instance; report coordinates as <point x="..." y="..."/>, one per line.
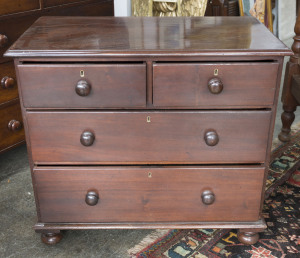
<point x="148" y="122"/>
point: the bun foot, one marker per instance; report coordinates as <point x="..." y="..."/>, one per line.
<point x="51" y="238"/>
<point x="248" y="238"/>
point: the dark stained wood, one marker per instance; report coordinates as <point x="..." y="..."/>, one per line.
<point x="248" y="238"/>
<point x="16" y="6"/>
<point x="288" y="100"/>
<point x="15" y="17"/>
<point x="51" y="238"/>
<point x="112" y="85"/>
<point x="190" y="81"/>
<point x="10" y="137"/>
<point x="170" y="143"/>
<point x="61" y="194"/>
<point x="50" y="3"/>
<point x="10" y="93"/>
<point x="169" y="137"/>
<point x="120" y="36"/>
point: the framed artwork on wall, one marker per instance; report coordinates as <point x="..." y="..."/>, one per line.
<point x="260" y="9"/>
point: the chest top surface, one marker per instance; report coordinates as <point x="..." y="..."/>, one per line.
<point x="146" y="36"/>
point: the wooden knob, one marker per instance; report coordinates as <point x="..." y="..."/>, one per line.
<point x="215" y="85"/>
<point x="87" y="138"/>
<point x="14" y="125"/>
<point x="83" y="88"/>
<point x="211" y="138"/>
<point x="91" y="198"/>
<point x="7" y="82"/>
<point x="208" y="197"/>
<point x="3" y="40"/>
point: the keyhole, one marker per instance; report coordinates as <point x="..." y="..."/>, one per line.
<point x="216" y="72"/>
<point x="81" y="73"/>
<point x="149" y="174"/>
<point x="148" y="119"/>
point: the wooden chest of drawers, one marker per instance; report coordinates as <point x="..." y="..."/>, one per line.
<point x="148" y="122"/>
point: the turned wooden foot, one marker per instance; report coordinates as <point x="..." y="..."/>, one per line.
<point x="51" y="238"/>
<point x="287" y="118"/>
<point x="248" y="238"/>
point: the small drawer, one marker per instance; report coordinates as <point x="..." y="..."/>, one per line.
<point x="83" y="85"/>
<point x="11" y="126"/>
<point x="149" y="137"/>
<point x="214" y="85"/>
<point x="8" y="82"/>
<point x="16" y="6"/>
<point x="132" y="194"/>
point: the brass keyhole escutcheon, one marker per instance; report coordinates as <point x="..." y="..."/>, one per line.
<point x="148" y="119"/>
<point x="216" y="72"/>
<point x="149" y="174"/>
<point x="81" y="73"/>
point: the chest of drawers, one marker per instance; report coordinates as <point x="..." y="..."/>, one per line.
<point x="148" y="122"/>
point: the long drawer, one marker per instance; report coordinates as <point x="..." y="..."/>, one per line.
<point x="214" y="85"/>
<point x="148" y="137"/>
<point x="83" y="85"/>
<point x="133" y="194"/>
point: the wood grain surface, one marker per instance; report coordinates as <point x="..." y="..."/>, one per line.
<point x="169" y="137"/>
<point x="112" y="85"/>
<point x="147" y="36"/>
<point x="129" y="194"/>
<point x="186" y="84"/>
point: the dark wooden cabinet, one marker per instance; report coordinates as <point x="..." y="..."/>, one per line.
<point x="149" y="122"/>
<point x="15" y="18"/>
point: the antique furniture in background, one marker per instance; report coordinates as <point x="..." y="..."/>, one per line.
<point x="291" y="87"/>
<point x="185" y="8"/>
<point x="149" y="122"/>
<point x="15" y="18"/>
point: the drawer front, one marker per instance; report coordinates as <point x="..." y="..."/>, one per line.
<point x="149" y="137"/>
<point x="221" y="85"/>
<point x="16" y="6"/>
<point x="8" y="82"/>
<point x="83" y="85"/>
<point x="50" y="3"/>
<point x="134" y="194"/>
<point x="11" y="132"/>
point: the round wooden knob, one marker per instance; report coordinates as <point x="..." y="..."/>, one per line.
<point x="211" y="138"/>
<point x="83" y="88"/>
<point x="91" y="198"/>
<point x="215" y="85"/>
<point x="14" y="125"/>
<point x="87" y="138"/>
<point x="208" y="197"/>
<point x="3" y="40"/>
<point x="7" y="82"/>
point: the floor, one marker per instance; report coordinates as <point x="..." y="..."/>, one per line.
<point x="17" y="216"/>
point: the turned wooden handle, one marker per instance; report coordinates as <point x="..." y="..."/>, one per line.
<point x="14" y="125"/>
<point x="211" y="138"/>
<point x="83" y="88"/>
<point x="7" y="82"/>
<point x="91" y="198"/>
<point x="87" y="138"/>
<point x="215" y="85"/>
<point x="3" y="40"/>
<point x="208" y="197"/>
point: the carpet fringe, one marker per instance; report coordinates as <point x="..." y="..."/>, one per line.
<point x="149" y="239"/>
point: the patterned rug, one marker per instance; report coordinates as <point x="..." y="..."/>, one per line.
<point x="281" y="211"/>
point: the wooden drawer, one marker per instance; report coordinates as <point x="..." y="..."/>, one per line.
<point x="8" y="82"/>
<point x="111" y="85"/>
<point x="132" y="194"/>
<point x="10" y="137"/>
<point x="148" y="137"/>
<point x="16" y="6"/>
<point x="186" y="84"/>
<point x="49" y="3"/>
